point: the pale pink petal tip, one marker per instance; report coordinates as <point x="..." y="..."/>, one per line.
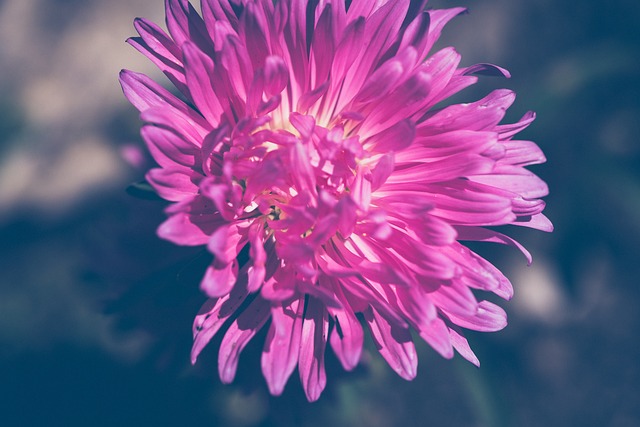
<point x="320" y="165"/>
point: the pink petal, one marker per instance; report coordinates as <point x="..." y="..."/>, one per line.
<point x="214" y="313"/>
<point x="227" y="241"/>
<point x="479" y="234"/>
<point x="538" y="221"/>
<point x="257" y="270"/>
<point x="438" y="19"/>
<point x="394" y="344"/>
<point x="199" y="70"/>
<point x="157" y="40"/>
<point x="168" y="148"/>
<point x="486" y="70"/>
<point x="282" y="345"/>
<point x="481" y="115"/>
<point x="253" y="29"/>
<point x="219" y="278"/>
<point x="276" y="75"/>
<point x="145" y="94"/>
<point x="454" y="297"/>
<point x="182" y="126"/>
<point x="479" y="273"/>
<point x="185" y="229"/>
<point x="322" y="46"/>
<point x="436" y="334"/>
<point x="347" y="337"/>
<point x="238" y="336"/>
<point x="461" y="345"/>
<point x="396" y="138"/>
<point x="312" y="345"/>
<point x="174" y="184"/>
<point x="382" y="171"/>
<point x="446" y="169"/>
<point x="516" y="180"/>
<point x="487" y="318"/>
<point x="185" y="24"/>
<point x="507" y="131"/>
<point x="523" y="153"/>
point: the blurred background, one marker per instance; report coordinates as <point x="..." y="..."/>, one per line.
<point x="96" y="312"/>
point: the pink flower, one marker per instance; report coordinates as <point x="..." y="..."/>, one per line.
<point x="309" y="137"/>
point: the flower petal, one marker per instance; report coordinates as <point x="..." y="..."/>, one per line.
<point x="394" y="344"/>
<point x="282" y="345"/>
<point x="312" y="345"/>
<point x="238" y="336"/>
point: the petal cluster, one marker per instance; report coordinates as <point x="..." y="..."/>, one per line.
<point x="312" y="137"/>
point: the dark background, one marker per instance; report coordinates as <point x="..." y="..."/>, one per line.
<point x="95" y="311"/>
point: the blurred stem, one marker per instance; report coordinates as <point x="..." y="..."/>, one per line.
<point x="481" y="395"/>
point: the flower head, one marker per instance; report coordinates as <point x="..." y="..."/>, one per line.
<point x="306" y="133"/>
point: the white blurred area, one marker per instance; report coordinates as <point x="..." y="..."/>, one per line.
<point x="60" y="61"/>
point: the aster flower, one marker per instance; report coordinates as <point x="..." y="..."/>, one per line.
<point x="306" y="134"/>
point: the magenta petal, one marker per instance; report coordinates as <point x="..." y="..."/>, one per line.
<point x="507" y="131"/>
<point x="394" y="344"/>
<point x="185" y="24"/>
<point x="479" y="273"/>
<point x="538" y="221"/>
<point x="487" y="318"/>
<point x="213" y="314"/>
<point x="168" y="148"/>
<point x="183" y="126"/>
<point x="282" y="345"/>
<point x="487" y="70"/>
<point x="280" y="287"/>
<point x="382" y="171"/>
<point x="436" y="334"/>
<point x="439" y="19"/>
<point x="479" y="234"/>
<point x="157" y="40"/>
<point x="461" y="345"/>
<point x="456" y="298"/>
<point x="347" y="336"/>
<point x="523" y="153"/>
<point x="312" y="345"/>
<point x="395" y="138"/>
<point x="145" y="94"/>
<point x="381" y="82"/>
<point x="322" y="45"/>
<point x="257" y="270"/>
<point x="225" y="243"/>
<point x="515" y="179"/>
<point x="254" y="30"/>
<point x="172" y="68"/>
<point x="199" y="71"/>
<point x="481" y="115"/>
<point x="189" y="230"/>
<point x="173" y="184"/>
<point x="276" y="75"/>
<point x="219" y="278"/>
<point x="238" y="336"/>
